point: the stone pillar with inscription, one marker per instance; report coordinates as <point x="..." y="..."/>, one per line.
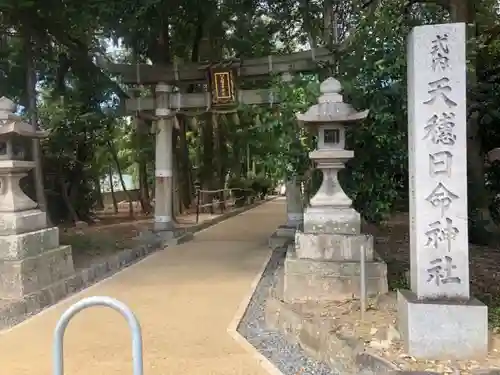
<point x="325" y="263"/>
<point x="438" y="319"/>
<point x="31" y="258"/>
<point x="163" y="162"/>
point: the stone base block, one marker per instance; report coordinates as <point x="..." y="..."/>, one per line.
<point x="18" y="246"/>
<point x="21" y="277"/>
<point x="336" y="247"/>
<point x="441" y="330"/>
<point x="22" y="222"/>
<point x="294" y="219"/>
<point x="276" y="241"/>
<point x="332" y="220"/>
<point x="323" y="281"/>
<point x="287" y="231"/>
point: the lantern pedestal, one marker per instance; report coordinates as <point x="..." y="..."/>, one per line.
<point x="330" y="209"/>
<point x="12" y="198"/>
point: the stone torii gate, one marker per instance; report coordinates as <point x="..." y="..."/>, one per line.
<point x="221" y="94"/>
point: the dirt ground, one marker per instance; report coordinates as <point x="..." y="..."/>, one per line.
<point x="392" y="244"/>
<point x="377" y="330"/>
<point x="112" y="233"/>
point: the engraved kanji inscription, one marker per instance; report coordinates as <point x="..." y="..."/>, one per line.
<point x="439" y="52"/>
<point x="440" y="88"/>
<point x="440" y="231"/>
<point x="441" y="197"/>
<point x="440" y="129"/>
<point x="441" y="271"/>
<point x="440" y="163"/>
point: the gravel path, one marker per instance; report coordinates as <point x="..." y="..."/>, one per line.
<point x="289" y="358"/>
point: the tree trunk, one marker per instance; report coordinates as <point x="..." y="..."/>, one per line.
<point x="112" y="190"/>
<point x="31" y="80"/>
<point x="187" y="177"/>
<point x="67" y="201"/>
<point x="218" y="157"/>
<point x="477" y="192"/>
<point x="222" y="152"/>
<point x="98" y="192"/>
<point x="120" y="176"/>
<point x="176" y="181"/>
<point x="144" y="188"/>
<point x="207" y="167"/>
<point x="141" y="134"/>
<point x="328" y="23"/>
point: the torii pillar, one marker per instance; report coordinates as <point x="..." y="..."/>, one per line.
<point x="163" y="221"/>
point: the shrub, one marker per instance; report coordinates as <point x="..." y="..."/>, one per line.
<point x="261" y="185"/>
<point x="241" y="191"/>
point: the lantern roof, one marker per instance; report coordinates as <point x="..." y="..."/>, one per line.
<point x="10" y="123"/>
<point x="331" y="107"/>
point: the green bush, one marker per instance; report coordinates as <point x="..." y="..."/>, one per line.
<point x="261" y="185"/>
<point x="242" y="189"/>
<point x="251" y="186"/>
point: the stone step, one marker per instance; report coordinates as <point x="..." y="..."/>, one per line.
<point x="18" y="246"/>
<point x="344" y="268"/>
<point x="22" y="222"/>
<point x="276" y="241"/>
<point x="321" y="281"/>
<point x="286" y="231"/>
<point x="342" y="220"/>
<point x="21" y="277"/>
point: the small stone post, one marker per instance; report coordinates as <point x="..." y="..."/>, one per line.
<point x="294" y="208"/>
<point x="30" y="255"/>
<point x="438" y="319"/>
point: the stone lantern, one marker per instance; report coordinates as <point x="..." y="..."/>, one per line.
<point x="325" y="263"/>
<point x="14" y="133"/>
<point x="330" y="209"/>
<point x="31" y="258"/>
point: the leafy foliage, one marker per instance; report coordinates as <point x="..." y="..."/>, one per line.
<point x="78" y="102"/>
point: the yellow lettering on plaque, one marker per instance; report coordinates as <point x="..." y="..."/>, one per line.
<point x="222" y="85"/>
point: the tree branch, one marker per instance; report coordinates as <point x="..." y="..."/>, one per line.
<point x="444" y="3"/>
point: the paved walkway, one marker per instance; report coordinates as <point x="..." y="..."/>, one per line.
<point x="185" y="298"/>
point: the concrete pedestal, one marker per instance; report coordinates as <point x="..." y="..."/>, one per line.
<point x="323" y="281"/>
<point x="333" y="247"/>
<point x="442" y="329"/>
<point x="287" y="231"/>
<point x="22" y="222"/>
<point x="326" y="267"/>
<point x="331" y="220"/>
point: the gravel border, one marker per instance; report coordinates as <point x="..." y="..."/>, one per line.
<point x="289" y="358"/>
